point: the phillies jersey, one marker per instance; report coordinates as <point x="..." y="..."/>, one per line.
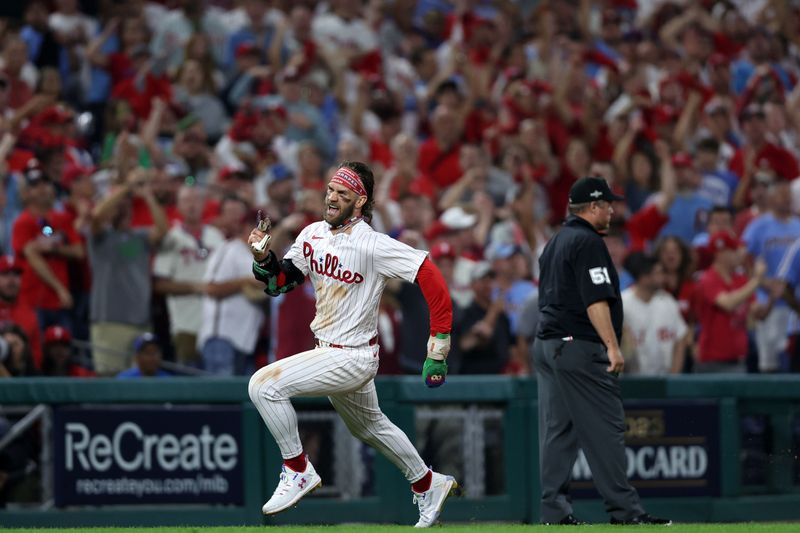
<point x="656" y="326"/>
<point x="349" y="272"/>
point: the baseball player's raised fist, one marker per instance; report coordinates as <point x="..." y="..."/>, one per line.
<point x="259" y="238"/>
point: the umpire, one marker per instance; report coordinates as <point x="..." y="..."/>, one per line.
<point x="578" y="361"/>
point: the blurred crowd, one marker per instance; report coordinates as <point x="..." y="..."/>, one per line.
<point x="139" y="139"/>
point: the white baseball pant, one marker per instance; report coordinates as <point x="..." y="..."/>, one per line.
<point x="345" y="376"/>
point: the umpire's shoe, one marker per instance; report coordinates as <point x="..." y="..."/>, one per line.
<point x="642" y="519"/>
<point x="291" y="487"/>
<point x="431" y="501"/>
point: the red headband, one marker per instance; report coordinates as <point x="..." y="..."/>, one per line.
<point x="347" y="178"/>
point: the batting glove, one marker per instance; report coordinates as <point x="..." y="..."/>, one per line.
<point x="264" y="225"/>
<point x="434" y="371"/>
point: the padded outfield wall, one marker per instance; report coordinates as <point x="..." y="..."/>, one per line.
<point x="194" y="451"/>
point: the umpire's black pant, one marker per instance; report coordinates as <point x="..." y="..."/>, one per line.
<point x="580" y="405"/>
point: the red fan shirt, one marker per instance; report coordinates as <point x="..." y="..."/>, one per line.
<point x="442" y="166"/>
<point x="27" y="228"/>
<point x="723" y="334"/>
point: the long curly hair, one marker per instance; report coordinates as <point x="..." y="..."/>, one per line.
<point x="685" y="265"/>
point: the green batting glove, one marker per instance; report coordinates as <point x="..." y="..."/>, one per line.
<point x="434" y="372"/>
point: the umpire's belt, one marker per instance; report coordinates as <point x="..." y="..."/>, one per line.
<point x="324" y="344"/>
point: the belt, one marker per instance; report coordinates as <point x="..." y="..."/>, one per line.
<point x="372" y="342"/>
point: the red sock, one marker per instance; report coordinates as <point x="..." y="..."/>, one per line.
<point x="297" y="464"/>
<point x="423" y="484"/>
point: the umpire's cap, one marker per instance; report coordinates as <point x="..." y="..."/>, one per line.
<point x="591" y="189"/>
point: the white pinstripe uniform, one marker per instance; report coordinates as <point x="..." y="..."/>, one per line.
<point x="349" y="272"/>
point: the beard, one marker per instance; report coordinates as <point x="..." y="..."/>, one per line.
<point x="344" y="214"/>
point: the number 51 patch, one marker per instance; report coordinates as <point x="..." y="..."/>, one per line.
<point x="599" y="275"/>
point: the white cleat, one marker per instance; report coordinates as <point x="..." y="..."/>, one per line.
<point x="431" y="502"/>
<point x="291" y="487"/>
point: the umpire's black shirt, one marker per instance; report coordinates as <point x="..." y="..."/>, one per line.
<point x="575" y="271"/>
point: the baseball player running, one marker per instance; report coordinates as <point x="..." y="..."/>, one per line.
<point x="348" y="263"/>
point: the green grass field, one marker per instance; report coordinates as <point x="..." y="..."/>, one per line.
<point x="746" y="527"/>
